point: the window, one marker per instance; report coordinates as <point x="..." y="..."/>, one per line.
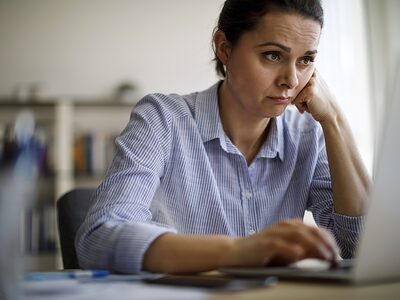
<point x="343" y="62"/>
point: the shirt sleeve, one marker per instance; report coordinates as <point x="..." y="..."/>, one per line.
<point x="345" y="229"/>
<point x="118" y="228"/>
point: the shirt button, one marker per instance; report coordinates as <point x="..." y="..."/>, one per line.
<point x="251" y="231"/>
<point x="247" y="194"/>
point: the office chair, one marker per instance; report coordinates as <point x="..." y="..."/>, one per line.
<point x="72" y="208"/>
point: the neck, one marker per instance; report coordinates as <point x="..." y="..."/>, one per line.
<point x="246" y="131"/>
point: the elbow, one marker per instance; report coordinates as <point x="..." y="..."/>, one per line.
<point x="88" y="253"/>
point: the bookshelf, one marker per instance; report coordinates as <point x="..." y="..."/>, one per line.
<point x="100" y="122"/>
<point x="61" y="125"/>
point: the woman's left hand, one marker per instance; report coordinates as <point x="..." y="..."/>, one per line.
<point x="316" y="99"/>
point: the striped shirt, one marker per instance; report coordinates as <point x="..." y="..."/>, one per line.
<point x="176" y="170"/>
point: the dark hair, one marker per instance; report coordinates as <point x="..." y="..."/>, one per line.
<point x="240" y="16"/>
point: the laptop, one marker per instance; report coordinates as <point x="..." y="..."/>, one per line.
<point x="378" y="253"/>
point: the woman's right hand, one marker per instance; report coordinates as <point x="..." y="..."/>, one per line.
<point x="281" y="244"/>
<point x="284" y="243"/>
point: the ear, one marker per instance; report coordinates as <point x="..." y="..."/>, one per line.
<point x="222" y="47"/>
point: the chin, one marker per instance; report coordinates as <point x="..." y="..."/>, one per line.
<point x="272" y="113"/>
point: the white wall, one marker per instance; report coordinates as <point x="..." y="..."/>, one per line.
<point x="85" y="48"/>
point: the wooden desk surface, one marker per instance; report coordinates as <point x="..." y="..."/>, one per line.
<point x="291" y="290"/>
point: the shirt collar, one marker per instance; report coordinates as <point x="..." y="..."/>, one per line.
<point x="207" y="114"/>
<point x="274" y="144"/>
<point x="210" y="127"/>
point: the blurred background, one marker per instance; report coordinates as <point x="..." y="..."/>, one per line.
<point x="80" y="66"/>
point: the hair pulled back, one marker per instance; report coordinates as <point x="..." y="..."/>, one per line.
<point x="240" y="16"/>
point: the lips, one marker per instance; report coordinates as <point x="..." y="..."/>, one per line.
<point x="280" y="99"/>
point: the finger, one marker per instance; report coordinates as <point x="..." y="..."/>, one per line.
<point x="316" y="247"/>
<point x="304" y="106"/>
<point x="327" y="238"/>
<point x="303" y="235"/>
<point x="282" y="252"/>
<point x="301" y="107"/>
<point x="302" y="100"/>
<point x="314" y="74"/>
<point x="331" y="242"/>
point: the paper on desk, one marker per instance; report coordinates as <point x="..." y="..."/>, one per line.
<point x="75" y="290"/>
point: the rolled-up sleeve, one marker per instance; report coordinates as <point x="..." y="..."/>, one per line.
<point x="348" y="228"/>
<point x="118" y="228"/>
<point x="345" y="229"/>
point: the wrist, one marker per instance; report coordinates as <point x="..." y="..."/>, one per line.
<point x="330" y="121"/>
<point x="333" y="119"/>
<point x="332" y="113"/>
<point x="229" y="252"/>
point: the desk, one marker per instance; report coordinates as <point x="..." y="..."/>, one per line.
<point x="290" y="290"/>
<point x="308" y="291"/>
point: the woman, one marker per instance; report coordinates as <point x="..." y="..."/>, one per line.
<point x="223" y="177"/>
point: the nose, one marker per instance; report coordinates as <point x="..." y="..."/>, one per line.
<point x="288" y="77"/>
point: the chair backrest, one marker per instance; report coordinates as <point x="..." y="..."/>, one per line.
<point x="72" y="208"/>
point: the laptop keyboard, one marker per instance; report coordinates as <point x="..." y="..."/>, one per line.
<point x="346" y="264"/>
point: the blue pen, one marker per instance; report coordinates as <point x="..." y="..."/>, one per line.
<point x="43" y="276"/>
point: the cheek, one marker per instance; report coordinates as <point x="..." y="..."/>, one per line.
<point x="248" y="76"/>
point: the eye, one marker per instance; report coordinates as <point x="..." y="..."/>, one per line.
<point x="272" y="56"/>
<point x="307" y="60"/>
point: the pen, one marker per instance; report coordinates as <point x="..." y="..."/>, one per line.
<point x="43" y="276"/>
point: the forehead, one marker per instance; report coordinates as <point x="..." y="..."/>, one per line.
<point x="290" y="29"/>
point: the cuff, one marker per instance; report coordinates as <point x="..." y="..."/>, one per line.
<point x="352" y="224"/>
<point x="346" y="231"/>
<point x="133" y="242"/>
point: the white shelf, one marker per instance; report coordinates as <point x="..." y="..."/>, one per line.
<point x="62" y="121"/>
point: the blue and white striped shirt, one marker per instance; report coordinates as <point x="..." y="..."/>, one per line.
<point x="176" y="170"/>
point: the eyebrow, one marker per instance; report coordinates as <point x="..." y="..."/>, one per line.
<point x="285" y="48"/>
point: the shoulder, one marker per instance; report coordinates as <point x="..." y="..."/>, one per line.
<point x="165" y="106"/>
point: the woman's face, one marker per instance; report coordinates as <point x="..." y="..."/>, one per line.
<point x="270" y="65"/>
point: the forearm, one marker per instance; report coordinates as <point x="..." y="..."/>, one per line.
<point x="283" y="243"/>
<point x="173" y="253"/>
<point x="350" y="179"/>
